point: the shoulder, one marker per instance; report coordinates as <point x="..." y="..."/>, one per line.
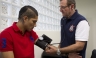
<point x="34" y="33"/>
<point x="83" y="23"/>
<point x="81" y="17"/>
<point x="6" y="31"/>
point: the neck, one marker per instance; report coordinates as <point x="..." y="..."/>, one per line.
<point x="20" y="26"/>
<point x="71" y="13"/>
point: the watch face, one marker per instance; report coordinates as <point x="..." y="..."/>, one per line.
<point x="58" y="52"/>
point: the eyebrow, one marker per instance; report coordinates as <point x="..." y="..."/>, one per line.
<point x="35" y="20"/>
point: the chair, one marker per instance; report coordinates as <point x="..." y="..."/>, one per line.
<point x="93" y="54"/>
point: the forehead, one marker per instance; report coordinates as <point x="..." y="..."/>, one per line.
<point x="63" y="3"/>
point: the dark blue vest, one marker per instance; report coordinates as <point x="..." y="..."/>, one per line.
<point x="68" y="29"/>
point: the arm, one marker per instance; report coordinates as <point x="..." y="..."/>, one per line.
<point x="35" y="36"/>
<point x="59" y="46"/>
<point x="6" y="45"/>
<point x="43" y="41"/>
<point x="8" y="54"/>
<point x="78" y="46"/>
<point x="81" y="37"/>
<point x="73" y="48"/>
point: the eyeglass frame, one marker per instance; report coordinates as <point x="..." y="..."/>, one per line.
<point x="63" y="7"/>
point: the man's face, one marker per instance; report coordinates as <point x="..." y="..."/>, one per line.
<point x="64" y="8"/>
<point x="29" y="24"/>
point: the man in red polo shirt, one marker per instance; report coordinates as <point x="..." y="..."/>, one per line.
<point x="17" y="41"/>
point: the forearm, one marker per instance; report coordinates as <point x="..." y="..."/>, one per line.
<point x="7" y="54"/>
<point x="72" y="48"/>
<point x="59" y="46"/>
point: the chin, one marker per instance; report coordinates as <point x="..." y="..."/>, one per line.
<point x="63" y="15"/>
<point x="30" y="30"/>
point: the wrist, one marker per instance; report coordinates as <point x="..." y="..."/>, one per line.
<point x="58" y="51"/>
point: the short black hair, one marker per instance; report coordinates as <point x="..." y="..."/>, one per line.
<point x="28" y="11"/>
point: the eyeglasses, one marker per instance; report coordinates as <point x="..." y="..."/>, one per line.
<point x="63" y="7"/>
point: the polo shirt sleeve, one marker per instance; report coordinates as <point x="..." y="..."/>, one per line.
<point x="5" y="42"/>
<point x="34" y="35"/>
<point x="82" y="31"/>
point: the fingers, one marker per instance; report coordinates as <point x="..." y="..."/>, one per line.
<point x="51" y="49"/>
<point x="48" y="48"/>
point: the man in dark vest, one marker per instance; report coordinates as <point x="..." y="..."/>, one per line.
<point x="74" y="32"/>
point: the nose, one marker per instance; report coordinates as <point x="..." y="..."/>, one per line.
<point x="60" y="10"/>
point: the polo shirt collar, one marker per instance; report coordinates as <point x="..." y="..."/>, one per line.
<point x="15" y="27"/>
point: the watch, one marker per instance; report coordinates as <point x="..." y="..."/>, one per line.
<point x="58" y="52"/>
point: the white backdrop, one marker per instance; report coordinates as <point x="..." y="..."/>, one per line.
<point x="49" y="15"/>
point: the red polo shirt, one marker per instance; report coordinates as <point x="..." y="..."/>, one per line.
<point x="11" y="39"/>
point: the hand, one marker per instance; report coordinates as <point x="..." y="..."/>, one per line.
<point x="51" y="49"/>
<point x="74" y="55"/>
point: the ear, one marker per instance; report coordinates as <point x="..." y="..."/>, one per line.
<point x="25" y="18"/>
<point x="72" y="6"/>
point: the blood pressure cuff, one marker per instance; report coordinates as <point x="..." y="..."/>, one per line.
<point x="42" y="43"/>
<point x="46" y="39"/>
